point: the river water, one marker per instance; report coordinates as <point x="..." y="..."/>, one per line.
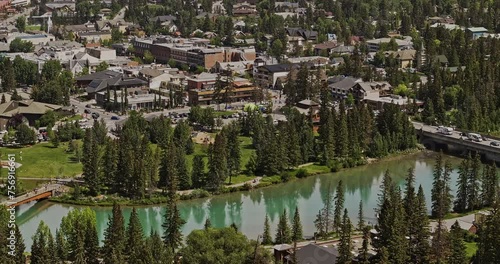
<point x="248" y="209"/>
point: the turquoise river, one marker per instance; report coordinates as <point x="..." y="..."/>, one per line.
<point x="248" y="209"/>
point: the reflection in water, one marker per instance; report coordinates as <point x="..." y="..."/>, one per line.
<point x="247" y="210"/>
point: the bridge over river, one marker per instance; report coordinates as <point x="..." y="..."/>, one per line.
<point x="34" y="195"/>
<point x="432" y="139"/>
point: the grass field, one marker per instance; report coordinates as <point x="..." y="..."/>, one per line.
<point x="33" y="27"/>
<point x="221" y="113"/>
<point x="471" y="248"/>
<point x="43" y="161"/>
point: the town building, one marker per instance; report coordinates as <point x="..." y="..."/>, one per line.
<point x="201" y="89"/>
<point x="135" y="98"/>
<point x="192" y="52"/>
<point x="29" y="109"/>
<point x="102" y="53"/>
<point x="374" y="44"/>
<point x="267" y="76"/>
<point x="477" y="32"/>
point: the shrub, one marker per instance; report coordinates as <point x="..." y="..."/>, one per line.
<point x="302" y="173"/>
<point x="263" y="184"/>
<point x="285" y="176"/>
<point x="334" y="165"/>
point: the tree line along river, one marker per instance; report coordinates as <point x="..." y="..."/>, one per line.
<point x="248" y="209"/>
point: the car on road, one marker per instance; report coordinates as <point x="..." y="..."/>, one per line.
<point x="87" y="111"/>
<point x="115" y="118"/>
<point x="495" y="143"/>
<point x="95" y="115"/>
<point x="88" y="106"/>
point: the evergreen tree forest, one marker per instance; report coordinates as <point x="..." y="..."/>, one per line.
<point x="76" y="241"/>
<point x="145" y="155"/>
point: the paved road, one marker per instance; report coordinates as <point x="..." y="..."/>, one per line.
<point x="121" y="13"/>
<point x="111" y="124"/>
<point x="455" y="134"/>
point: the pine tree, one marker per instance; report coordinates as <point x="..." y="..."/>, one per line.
<point x="345" y="244"/>
<point x="410" y="203"/>
<point x="217" y="162"/>
<point x="135" y="238"/>
<point x="168" y="168"/>
<point x="40" y="252"/>
<point x="114" y="237"/>
<point x="490" y="185"/>
<point x="460" y="204"/>
<point x="172" y="222"/>
<point x="339" y="205"/>
<point x="361" y="220"/>
<point x="198" y="172"/>
<point x="91" y="239"/>
<point x="489" y="237"/>
<point x="233" y="149"/>
<point x="208" y="223"/>
<point x="92" y="163"/>
<point x="364" y="257"/>
<point x="183" y="174"/>
<point x="110" y="165"/>
<point x="457" y="246"/>
<point x="397" y="246"/>
<point x="61" y="247"/>
<point x="341" y="133"/>
<point x="420" y="247"/>
<point x="172" y="225"/>
<point x="297" y="226"/>
<point x="19" y="257"/>
<point x="155" y="248"/>
<point x="266" y="236"/>
<point x="324" y="218"/>
<point x="326" y="136"/>
<point x="283" y="234"/>
<point x="440" y="193"/>
<point x="473" y="183"/>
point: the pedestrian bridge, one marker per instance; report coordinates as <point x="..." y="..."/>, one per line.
<point x="34" y="195"/>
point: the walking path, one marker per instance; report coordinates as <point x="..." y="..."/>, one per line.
<point x="252" y="183"/>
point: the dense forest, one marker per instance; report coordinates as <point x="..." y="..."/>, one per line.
<point x="141" y="159"/>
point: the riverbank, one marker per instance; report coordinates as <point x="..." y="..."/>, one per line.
<point x="156" y="198"/>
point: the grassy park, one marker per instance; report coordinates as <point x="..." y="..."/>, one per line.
<point x="43" y="161"/>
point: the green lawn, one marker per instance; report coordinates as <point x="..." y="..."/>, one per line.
<point x="33" y="27"/>
<point x="75" y="117"/>
<point x="471" y="248"/>
<point x="43" y="161"/>
<point x="221" y="113"/>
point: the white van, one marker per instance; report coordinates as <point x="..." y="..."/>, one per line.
<point x="445" y="130"/>
<point x="475" y="137"/>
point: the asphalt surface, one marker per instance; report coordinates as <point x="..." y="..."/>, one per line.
<point x="111" y="124"/>
<point x="455" y="134"/>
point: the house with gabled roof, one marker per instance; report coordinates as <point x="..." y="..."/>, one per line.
<point x="29" y="109"/>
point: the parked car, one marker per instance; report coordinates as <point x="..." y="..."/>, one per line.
<point x="495" y="143"/>
<point x="115" y="118"/>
